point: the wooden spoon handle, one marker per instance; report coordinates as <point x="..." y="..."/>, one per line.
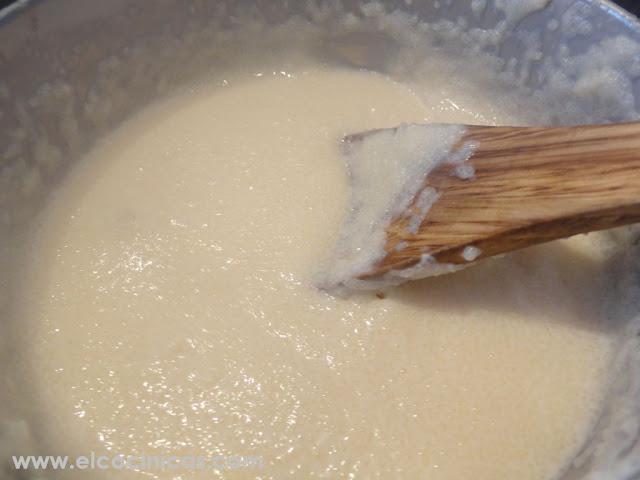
<point x="531" y="185"/>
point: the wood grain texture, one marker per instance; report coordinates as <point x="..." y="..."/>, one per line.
<point x="531" y="185"/>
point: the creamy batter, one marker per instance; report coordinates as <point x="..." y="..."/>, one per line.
<point x="173" y="308"/>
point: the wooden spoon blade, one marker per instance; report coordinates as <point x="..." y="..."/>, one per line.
<point x="529" y="185"/>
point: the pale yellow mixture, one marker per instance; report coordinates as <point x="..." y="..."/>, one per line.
<point x="174" y="311"/>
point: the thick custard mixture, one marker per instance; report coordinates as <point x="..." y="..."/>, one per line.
<point x="174" y="312"/>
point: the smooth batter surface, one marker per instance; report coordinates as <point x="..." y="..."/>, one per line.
<point x="173" y="310"/>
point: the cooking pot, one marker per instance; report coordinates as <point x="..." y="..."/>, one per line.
<point x="72" y="69"/>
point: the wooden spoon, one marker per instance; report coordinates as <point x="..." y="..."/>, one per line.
<point x="531" y="185"/>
